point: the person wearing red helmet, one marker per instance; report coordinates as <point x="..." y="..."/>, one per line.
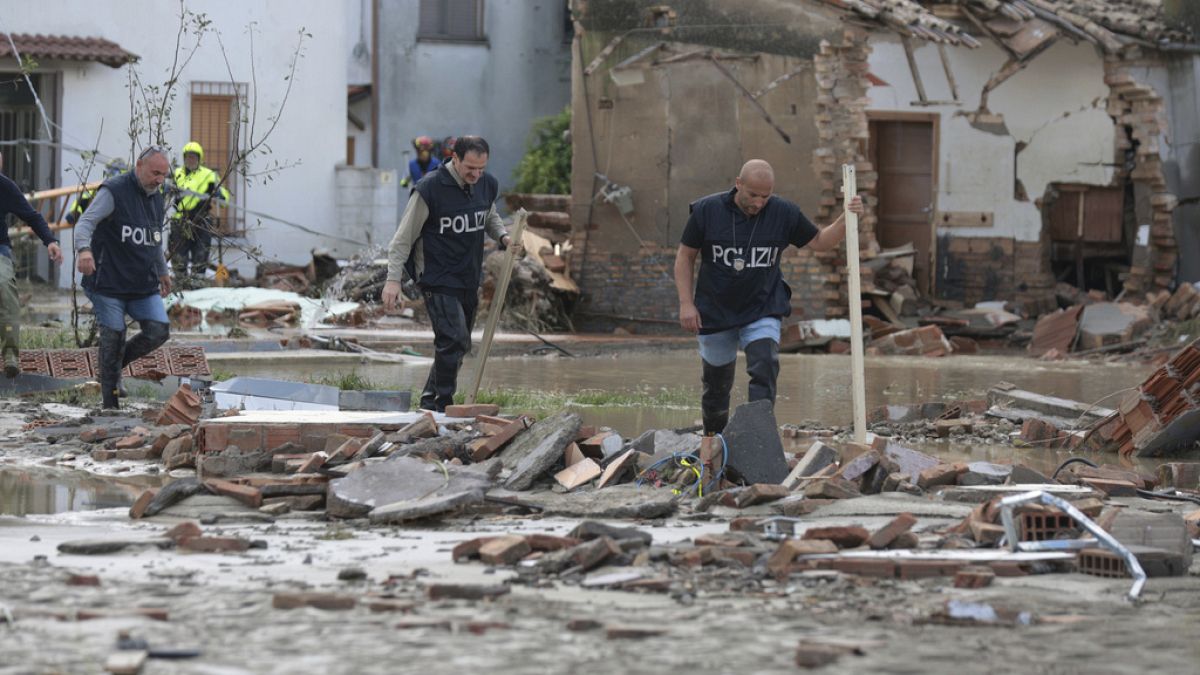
<point x="423" y="163"/>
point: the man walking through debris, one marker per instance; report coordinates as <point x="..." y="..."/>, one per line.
<point x="740" y="295"/>
<point x="119" y="245"/>
<point x="440" y="245"/>
<point x="192" y="225"/>
<point x="12" y="201"/>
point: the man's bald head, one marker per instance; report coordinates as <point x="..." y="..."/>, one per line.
<point x="754" y="185"/>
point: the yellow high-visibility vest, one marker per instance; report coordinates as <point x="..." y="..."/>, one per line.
<point x="199" y="181"/>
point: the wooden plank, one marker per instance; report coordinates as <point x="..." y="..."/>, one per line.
<point x="948" y="219"/>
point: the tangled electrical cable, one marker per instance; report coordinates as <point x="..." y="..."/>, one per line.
<point x="692" y="462"/>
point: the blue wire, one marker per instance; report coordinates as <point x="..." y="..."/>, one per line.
<point x="724" y="462"/>
<point x="676" y="456"/>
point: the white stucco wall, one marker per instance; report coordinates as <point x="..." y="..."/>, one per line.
<point x="495" y="88"/>
<point x="95" y="102"/>
<point x="1057" y="106"/>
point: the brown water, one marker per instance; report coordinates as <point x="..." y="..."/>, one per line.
<point x="25" y="491"/>
<point x="811" y="387"/>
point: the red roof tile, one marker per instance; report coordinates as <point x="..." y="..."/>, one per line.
<point x="67" y="48"/>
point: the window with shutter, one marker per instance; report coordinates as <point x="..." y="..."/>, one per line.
<point x="451" y="20"/>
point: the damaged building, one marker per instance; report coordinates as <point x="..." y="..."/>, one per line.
<point x="1010" y="146"/>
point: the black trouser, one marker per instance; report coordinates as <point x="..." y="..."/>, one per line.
<point x="762" y="365"/>
<point x="190" y="242"/>
<point x="452" y="313"/>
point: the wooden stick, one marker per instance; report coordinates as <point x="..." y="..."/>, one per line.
<point x="497" y="303"/>
<point x="62" y="191"/>
<point x="857" y="383"/>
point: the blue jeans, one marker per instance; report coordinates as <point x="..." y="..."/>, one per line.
<point x="110" y="312"/>
<point x="721" y="348"/>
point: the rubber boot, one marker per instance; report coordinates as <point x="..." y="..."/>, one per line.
<point x="762" y="365"/>
<point x="112" y="354"/>
<point x="716" y="382"/>
<point x="153" y="335"/>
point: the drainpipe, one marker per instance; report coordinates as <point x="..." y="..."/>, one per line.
<point x="375" y="84"/>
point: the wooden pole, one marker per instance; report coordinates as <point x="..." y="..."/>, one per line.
<point x="857" y="383"/>
<point x="497" y="303"/>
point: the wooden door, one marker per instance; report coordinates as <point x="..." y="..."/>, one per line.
<point x="902" y="152"/>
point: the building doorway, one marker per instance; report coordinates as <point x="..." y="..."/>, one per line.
<point x="903" y="150"/>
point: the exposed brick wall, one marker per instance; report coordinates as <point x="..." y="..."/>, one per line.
<point x="978" y="269"/>
<point x="1140" y="108"/>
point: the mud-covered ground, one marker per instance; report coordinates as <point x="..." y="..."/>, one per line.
<point x="711" y="619"/>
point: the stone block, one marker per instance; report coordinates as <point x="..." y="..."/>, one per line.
<point x="755" y="448"/>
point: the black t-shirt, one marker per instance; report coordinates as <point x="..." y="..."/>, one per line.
<point x="740" y="281"/>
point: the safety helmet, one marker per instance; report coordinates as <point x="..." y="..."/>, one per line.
<point x="423" y="143"/>
<point x="448" y="146"/>
<point x="193" y="146"/>
<point x="115" y="167"/>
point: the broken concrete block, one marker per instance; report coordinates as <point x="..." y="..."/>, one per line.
<point x="506" y="550"/>
<point x="423" y="427"/>
<point x="1111" y="488"/>
<point x="985" y="473"/>
<point x="579" y="473"/>
<point x="818" y="456"/>
<point x="618" y="501"/>
<point x="1105" y="323"/>
<point x="755" y="449"/>
<point x="883" y="537"/>
<point x="1024" y="475"/>
<point x="1166" y="531"/>
<point x="1039" y="432"/>
<point x="172" y="493"/>
<point x="851" y="536"/>
<point x="402" y="488"/>
<point x="591" y="554"/>
<point x="855" y="468"/>
<point x="590" y="529"/>
<point x="911" y="462"/>
<point x="533" y="453"/>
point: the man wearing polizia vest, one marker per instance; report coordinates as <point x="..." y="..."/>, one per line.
<point x="440" y="244"/>
<point x="740" y="295"/>
<point x="118" y="240"/>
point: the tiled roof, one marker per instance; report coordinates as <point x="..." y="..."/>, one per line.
<point x="67" y="48"/>
<point x="907" y="18"/>
<point x="1109" y="23"/>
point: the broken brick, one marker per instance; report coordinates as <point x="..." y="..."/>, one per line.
<point x="831" y="488"/>
<point x="549" y="542"/>
<point x="83" y="580"/>
<point x="213" y="544"/>
<point x="923" y="569"/>
<point x="906" y="540"/>
<point x="472" y="410"/>
<point x="863" y="567"/>
<point x="183" y="530"/>
<point x="1040" y="432"/>
<point x="760" y="493"/>
<point x="632" y="632"/>
<point x="855" y="468"/>
<point x="139" y="506"/>
<point x="780" y="561"/>
<point x="182" y="408"/>
<point x="468" y="549"/>
<point x="883" y="537"/>
<point x="243" y="493"/>
<point x="1112" y="488"/>
<point x="131" y="441"/>
<point x="506" y="550"/>
<point x="138" y="454"/>
<point x="103" y="454"/>
<point x="315" y="461"/>
<point x="579" y="473"/>
<point x="592" y="553"/>
<point x="974" y="576"/>
<point x="844" y="536"/>
<point x="495" y="443"/>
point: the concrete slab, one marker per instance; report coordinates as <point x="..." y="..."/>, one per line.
<point x="891" y="503"/>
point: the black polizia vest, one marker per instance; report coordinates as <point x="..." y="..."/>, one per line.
<point x="128" y="243"/>
<point x="452" y="236"/>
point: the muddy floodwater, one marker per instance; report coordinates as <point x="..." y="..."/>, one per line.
<point x="811" y="386"/>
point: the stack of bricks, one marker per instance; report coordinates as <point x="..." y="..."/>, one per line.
<point x="1170" y="394"/>
<point x="1141" y="109"/>
<point x="843" y="133"/>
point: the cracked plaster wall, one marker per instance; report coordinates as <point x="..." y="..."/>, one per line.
<point x="1056" y="105"/>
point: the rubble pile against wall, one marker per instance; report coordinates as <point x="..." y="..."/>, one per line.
<point x="1161" y="416"/>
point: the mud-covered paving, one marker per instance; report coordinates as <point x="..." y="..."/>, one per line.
<point x="721" y="615"/>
